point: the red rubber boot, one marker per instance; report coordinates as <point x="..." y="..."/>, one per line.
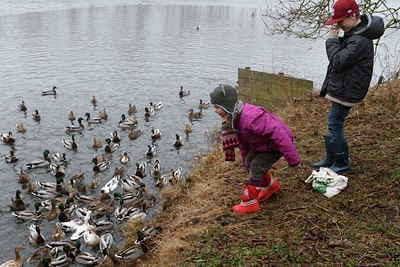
<point x="268" y="187"/>
<point x="249" y="201"/>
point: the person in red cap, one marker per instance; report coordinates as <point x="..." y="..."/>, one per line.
<point x="348" y="76"/>
<point x="262" y="139"/>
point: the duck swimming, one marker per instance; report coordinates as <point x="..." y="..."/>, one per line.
<point x="21" y="128"/>
<point x="183" y="93"/>
<point x="178" y="141"/>
<point x="40" y="162"/>
<point x="99" y="167"/>
<point x="29" y="215"/>
<point x="16" y="203"/>
<point x="134" y="134"/>
<point x="71" y="117"/>
<point x="17" y="262"/>
<point x="92" y="120"/>
<point x="110" y="148"/>
<point x="50" y="92"/>
<point x="151" y="151"/>
<point x="131" y="109"/>
<point x="195" y="115"/>
<point x="155" y="134"/>
<point x="70" y="144"/>
<point x="36" y="116"/>
<point x="8" y="138"/>
<point x="75" y="128"/>
<point x="93" y="100"/>
<point x="204" y="105"/>
<point x="125" y="123"/>
<point x="21" y="106"/>
<point x="103" y="114"/>
<point x="10" y="158"/>
<point x="36" y="237"/>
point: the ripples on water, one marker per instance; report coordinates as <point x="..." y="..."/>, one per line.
<point x="124" y="54"/>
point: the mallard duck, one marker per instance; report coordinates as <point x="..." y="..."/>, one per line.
<point x="97" y="143"/>
<point x="92" y="120"/>
<point x="8" y="138"/>
<point x="40" y="162"/>
<point x="110" y="148"/>
<point x="155" y="134"/>
<point x="75" y="128"/>
<point x="50" y="92"/>
<point x="105" y="224"/>
<point x="111" y="185"/>
<point x="21" y="106"/>
<point x="177" y="174"/>
<point x="204" y="105"/>
<point x="131" y="109"/>
<point x="57" y="170"/>
<point x="148" y="112"/>
<point x="151" y="151"/>
<point x="29" y="215"/>
<point x="70" y="144"/>
<point x="187" y="128"/>
<point x="93" y="100"/>
<point x="156" y="106"/>
<point x="133" y="252"/>
<point x="21" y="128"/>
<point x="78" y="176"/>
<point x="23" y="176"/>
<point x="58" y="232"/>
<point x="78" y="185"/>
<point x="115" y="137"/>
<point x="156" y="171"/>
<point x="127" y="123"/>
<point x="134" y="134"/>
<point x="10" y="158"/>
<point x="36" y="237"/>
<point x="49" y="194"/>
<point x="163" y="180"/>
<point x="106" y="242"/>
<point x="134" y="198"/>
<point x="124" y="158"/>
<point x="63" y="260"/>
<point x="71" y="117"/>
<point x="141" y="169"/>
<point x="178" y="141"/>
<point x="84" y="258"/>
<point x="195" y="115"/>
<point x="132" y="183"/>
<point x="42" y="253"/>
<point x="94" y="183"/>
<point x="17" y="262"/>
<point x="17" y="203"/>
<point x="59" y="158"/>
<point x="53" y="212"/>
<point x="36" y="116"/>
<point x="146" y="233"/>
<point x="103" y="114"/>
<point x="63" y="216"/>
<point x="183" y="93"/>
<point x="99" y="167"/>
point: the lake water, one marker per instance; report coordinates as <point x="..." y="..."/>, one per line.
<point x="127" y="52"/>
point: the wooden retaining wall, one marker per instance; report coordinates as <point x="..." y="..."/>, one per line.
<point x="271" y="90"/>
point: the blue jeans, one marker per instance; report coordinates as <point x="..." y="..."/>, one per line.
<point x="336" y="119"/>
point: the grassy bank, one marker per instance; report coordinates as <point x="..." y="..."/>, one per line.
<point x="358" y="227"/>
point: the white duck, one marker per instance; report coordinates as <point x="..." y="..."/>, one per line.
<point x="111" y="185"/>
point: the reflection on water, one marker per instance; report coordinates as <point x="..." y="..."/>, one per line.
<point x="125" y="54"/>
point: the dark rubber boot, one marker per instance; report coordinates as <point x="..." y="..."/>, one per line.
<point x="329" y="158"/>
<point x="341" y="154"/>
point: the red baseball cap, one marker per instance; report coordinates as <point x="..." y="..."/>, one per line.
<point x="341" y="10"/>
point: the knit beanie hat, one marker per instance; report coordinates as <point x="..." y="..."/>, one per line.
<point x="225" y="97"/>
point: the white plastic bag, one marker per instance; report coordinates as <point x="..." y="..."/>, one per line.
<point x="327" y="182"/>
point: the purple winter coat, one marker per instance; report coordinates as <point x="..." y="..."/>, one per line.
<point x="263" y="131"/>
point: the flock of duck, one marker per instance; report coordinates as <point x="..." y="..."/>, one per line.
<point x="90" y="212"/>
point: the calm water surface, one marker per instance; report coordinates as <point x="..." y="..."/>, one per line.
<point x="124" y="52"/>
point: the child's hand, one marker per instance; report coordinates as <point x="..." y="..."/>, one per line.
<point x="334" y="32"/>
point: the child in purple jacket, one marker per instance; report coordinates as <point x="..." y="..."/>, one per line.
<point x="262" y="139"/>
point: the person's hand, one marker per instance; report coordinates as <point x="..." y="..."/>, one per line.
<point x="334" y="32"/>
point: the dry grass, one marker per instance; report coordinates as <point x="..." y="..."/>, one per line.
<point x="359" y="227"/>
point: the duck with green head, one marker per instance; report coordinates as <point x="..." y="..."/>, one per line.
<point x="40" y="162"/>
<point x="75" y="128"/>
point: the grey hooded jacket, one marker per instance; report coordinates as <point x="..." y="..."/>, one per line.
<point x="351" y="60"/>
